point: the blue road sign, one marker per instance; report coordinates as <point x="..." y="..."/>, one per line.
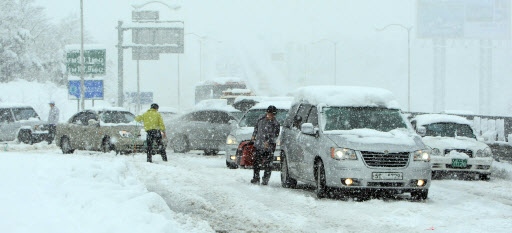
<point x="93" y="89"/>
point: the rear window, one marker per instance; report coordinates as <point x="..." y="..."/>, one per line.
<point x="25" y="114"/>
<point x="117" y="117"/>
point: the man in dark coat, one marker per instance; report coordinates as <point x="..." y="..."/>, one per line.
<point x="264" y="137"/>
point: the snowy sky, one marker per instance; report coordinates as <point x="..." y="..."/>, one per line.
<point x="243" y="36"/>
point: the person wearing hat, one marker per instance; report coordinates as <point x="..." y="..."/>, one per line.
<point x="264" y="137"/>
<point x="155" y="129"/>
<point x="53" y="119"/>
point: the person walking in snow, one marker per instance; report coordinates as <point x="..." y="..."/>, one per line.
<point x="53" y="119"/>
<point x="155" y="131"/>
<point x="264" y="137"/>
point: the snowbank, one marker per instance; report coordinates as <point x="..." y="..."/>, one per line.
<point x="57" y="193"/>
<point x="437" y="118"/>
<point x="502" y="170"/>
<point x="347" y="96"/>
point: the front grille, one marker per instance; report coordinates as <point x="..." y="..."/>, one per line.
<point x="468" y="152"/>
<point x="385" y="184"/>
<point x="462" y="168"/>
<point x="375" y="159"/>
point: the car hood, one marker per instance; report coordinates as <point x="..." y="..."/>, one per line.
<point x="372" y="140"/>
<point x="443" y="143"/>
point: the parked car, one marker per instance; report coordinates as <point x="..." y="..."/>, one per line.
<point x="200" y="130"/>
<point x="21" y="122"/>
<point x="455" y="148"/>
<point x="245" y="128"/>
<point x="168" y="114"/>
<point x="101" y="129"/>
<point x="354" y="139"/>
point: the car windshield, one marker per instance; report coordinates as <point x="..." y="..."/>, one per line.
<point x="348" y="118"/>
<point x="449" y="130"/>
<point x="251" y="117"/>
<point x="24" y="114"/>
<point x="237" y="115"/>
<point x="117" y="117"/>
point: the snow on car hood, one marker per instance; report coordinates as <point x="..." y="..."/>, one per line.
<point x="398" y="140"/>
<point x="443" y="143"/>
<point x="243" y="133"/>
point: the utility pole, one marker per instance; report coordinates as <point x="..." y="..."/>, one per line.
<point x="82" y="86"/>
<point x="120" y="94"/>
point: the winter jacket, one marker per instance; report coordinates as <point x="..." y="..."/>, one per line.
<point x="152" y="120"/>
<point x="266" y="131"/>
<point x="53" y="116"/>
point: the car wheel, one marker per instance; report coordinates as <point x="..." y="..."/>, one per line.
<point x="25" y="136"/>
<point x="321" y="188"/>
<point x="231" y="165"/>
<point x="180" y="144"/>
<point x="211" y="152"/>
<point x="286" y="180"/>
<point x="485" y="177"/>
<point x="106" y="145"/>
<point x="65" y="145"/>
<point x="419" y="195"/>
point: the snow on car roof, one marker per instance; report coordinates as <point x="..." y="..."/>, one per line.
<point x="220" y="81"/>
<point x="438" y="118"/>
<point x="103" y="108"/>
<point x="279" y="104"/>
<point x="14" y="105"/>
<point x="168" y="109"/>
<point x="215" y="104"/>
<point x="347" y="96"/>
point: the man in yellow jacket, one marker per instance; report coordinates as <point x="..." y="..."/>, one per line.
<point x="155" y="128"/>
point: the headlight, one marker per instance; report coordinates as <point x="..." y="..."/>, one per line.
<point x="343" y="154"/>
<point x="422" y="155"/>
<point x="125" y="134"/>
<point x="279" y="141"/>
<point x="231" y="140"/>
<point x="436" y="151"/>
<point x="485" y="153"/>
<point x="479" y="153"/>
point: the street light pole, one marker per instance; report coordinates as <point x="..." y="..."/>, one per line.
<point x="408" y="29"/>
<point x="82" y="85"/>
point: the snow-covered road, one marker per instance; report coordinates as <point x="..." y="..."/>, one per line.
<point x="45" y="191"/>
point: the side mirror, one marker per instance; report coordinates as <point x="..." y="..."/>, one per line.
<point x="308" y="128"/>
<point x="93" y="122"/>
<point x="422" y="131"/>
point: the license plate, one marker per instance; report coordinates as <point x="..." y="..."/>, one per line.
<point x="387" y="176"/>
<point x="462" y="163"/>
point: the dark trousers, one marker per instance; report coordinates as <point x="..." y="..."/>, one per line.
<point x="267" y="157"/>
<point x="155" y="135"/>
<point x="52" y="129"/>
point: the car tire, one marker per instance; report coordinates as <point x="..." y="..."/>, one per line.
<point x="286" y="180"/>
<point x="180" y="144"/>
<point x="231" y="165"/>
<point x="321" y="187"/>
<point x="419" y="195"/>
<point x="25" y="136"/>
<point x="211" y="152"/>
<point x="106" y="145"/>
<point x="485" y="177"/>
<point x="65" y="145"/>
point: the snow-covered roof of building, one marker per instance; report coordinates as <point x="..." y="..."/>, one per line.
<point x="220" y="81"/>
<point x="278" y="104"/>
<point x="215" y="104"/>
<point x="347" y="96"/>
<point x="427" y="119"/>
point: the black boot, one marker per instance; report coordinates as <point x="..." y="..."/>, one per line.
<point x="255" y="181"/>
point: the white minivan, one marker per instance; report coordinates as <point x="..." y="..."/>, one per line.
<point x="455" y="148"/>
<point x="354" y="139"/>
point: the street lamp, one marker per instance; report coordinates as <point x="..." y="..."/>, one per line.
<point x="201" y="40"/>
<point x="335" y="45"/>
<point x="408" y="29"/>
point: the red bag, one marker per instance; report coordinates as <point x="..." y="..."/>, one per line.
<point x="248" y="153"/>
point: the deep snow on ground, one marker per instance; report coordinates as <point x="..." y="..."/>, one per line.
<point x="46" y="191"/>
